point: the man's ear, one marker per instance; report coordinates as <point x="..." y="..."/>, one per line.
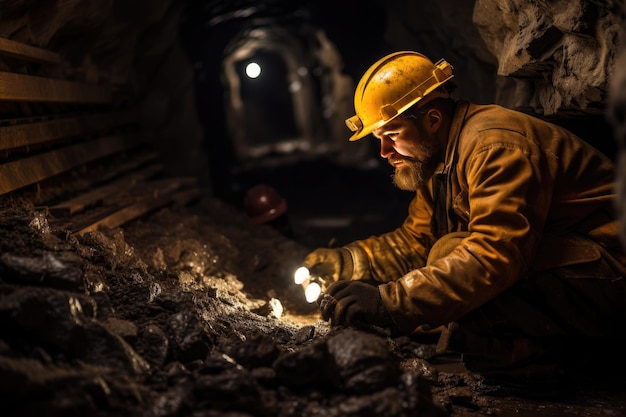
<point x="434" y="119"/>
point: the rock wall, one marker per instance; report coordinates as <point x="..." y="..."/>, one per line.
<point x="558" y="55"/>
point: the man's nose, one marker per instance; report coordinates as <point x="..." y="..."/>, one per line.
<point x="386" y="147"/>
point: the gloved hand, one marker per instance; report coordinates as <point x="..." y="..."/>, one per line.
<point x="333" y="264"/>
<point x="348" y="301"/>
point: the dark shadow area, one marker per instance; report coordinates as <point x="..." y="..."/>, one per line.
<point x="331" y="205"/>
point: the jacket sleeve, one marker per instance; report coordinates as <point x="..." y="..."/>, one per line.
<point x="508" y="205"/>
<point x="389" y="256"/>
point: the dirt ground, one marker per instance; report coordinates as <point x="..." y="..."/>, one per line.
<point x="192" y="311"/>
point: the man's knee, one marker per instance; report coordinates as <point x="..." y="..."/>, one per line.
<point x="445" y="245"/>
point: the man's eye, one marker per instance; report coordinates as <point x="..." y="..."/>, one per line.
<point x="393" y="136"/>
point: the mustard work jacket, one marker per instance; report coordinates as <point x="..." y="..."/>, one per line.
<point x="531" y="195"/>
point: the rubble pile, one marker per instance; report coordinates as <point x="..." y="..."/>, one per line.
<point x="172" y="316"/>
<point x="192" y="311"/>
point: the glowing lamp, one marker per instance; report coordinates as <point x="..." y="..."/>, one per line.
<point x="253" y="70"/>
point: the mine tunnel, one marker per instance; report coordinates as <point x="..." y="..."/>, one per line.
<point x="167" y="165"/>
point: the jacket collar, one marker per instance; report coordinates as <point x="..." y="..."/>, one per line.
<point x="453" y="136"/>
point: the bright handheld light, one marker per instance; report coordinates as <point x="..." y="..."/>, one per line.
<point x="312" y="283"/>
<point x="301" y="275"/>
<point x="312" y="292"/>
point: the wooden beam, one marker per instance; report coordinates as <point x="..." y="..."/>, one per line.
<point x="28" y="134"/>
<point x="30" y="170"/>
<point x="163" y="194"/>
<point x="20" y="87"/>
<point x="19" y="50"/>
<point x="127" y="214"/>
<point x="98" y="195"/>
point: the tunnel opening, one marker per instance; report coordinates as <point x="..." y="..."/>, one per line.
<point x="267" y="103"/>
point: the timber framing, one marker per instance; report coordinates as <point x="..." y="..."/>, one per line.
<point x="24" y="52"/>
<point x="29" y="134"/>
<point x="30" y="170"/>
<point x="20" y="87"/>
<point x="71" y="140"/>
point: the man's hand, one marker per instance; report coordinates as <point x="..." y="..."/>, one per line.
<point x="334" y="264"/>
<point x="346" y="302"/>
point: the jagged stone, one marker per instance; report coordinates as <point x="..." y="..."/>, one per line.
<point x="125" y="329"/>
<point x="310" y="366"/>
<point x="173" y="402"/>
<point x="363" y="360"/>
<point x="29" y="388"/>
<point x="59" y="390"/>
<point x="233" y="389"/>
<point x="257" y="351"/>
<point x="566" y="47"/>
<point x="93" y="343"/>
<point x="60" y="270"/>
<point x="153" y="345"/>
<point x="304" y="334"/>
<point x="45" y="315"/>
<point x="391" y="402"/>
<point x="187" y="337"/>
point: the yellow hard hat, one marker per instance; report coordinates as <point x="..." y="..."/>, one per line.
<point x="392" y="85"/>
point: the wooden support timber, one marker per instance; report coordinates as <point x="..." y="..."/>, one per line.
<point x="26" y="171"/>
<point x="47" y="140"/>
<point x="51" y="126"/>
<point x="159" y="194"/>
<point x="20" y="87"/>
<point x="28" y="134"/>
<point x="98" y="195"/>
<point x="13" y="49"/>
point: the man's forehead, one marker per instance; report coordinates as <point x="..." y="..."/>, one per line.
<point x="394" y="124"/>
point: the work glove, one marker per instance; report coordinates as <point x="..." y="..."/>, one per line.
<point x="348" y="302"/>
<point x="330" y="264"/>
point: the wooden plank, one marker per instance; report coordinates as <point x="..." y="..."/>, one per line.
<point x="28" y="134"/>
<point x="163" y="195"/>
<point x="26" y="171"/>
<point x="19" y="50"/>
<point x="98" y="195"/>
<point x="127" y="214"/>
<point x="20" y="87"/>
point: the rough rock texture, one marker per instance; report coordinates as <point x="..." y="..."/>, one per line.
<point x="559" y="54"/>
<point x="165" y="319"/>
<point x="168" y="317"/>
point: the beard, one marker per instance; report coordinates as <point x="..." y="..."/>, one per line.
<point x="414" y="172"/>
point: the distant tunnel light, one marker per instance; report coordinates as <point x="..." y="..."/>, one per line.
<point x="253" y="70"/>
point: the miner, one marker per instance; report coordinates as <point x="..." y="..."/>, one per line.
<point x="511" y="239"/>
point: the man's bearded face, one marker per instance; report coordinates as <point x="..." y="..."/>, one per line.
<point x="415" y="171"/>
